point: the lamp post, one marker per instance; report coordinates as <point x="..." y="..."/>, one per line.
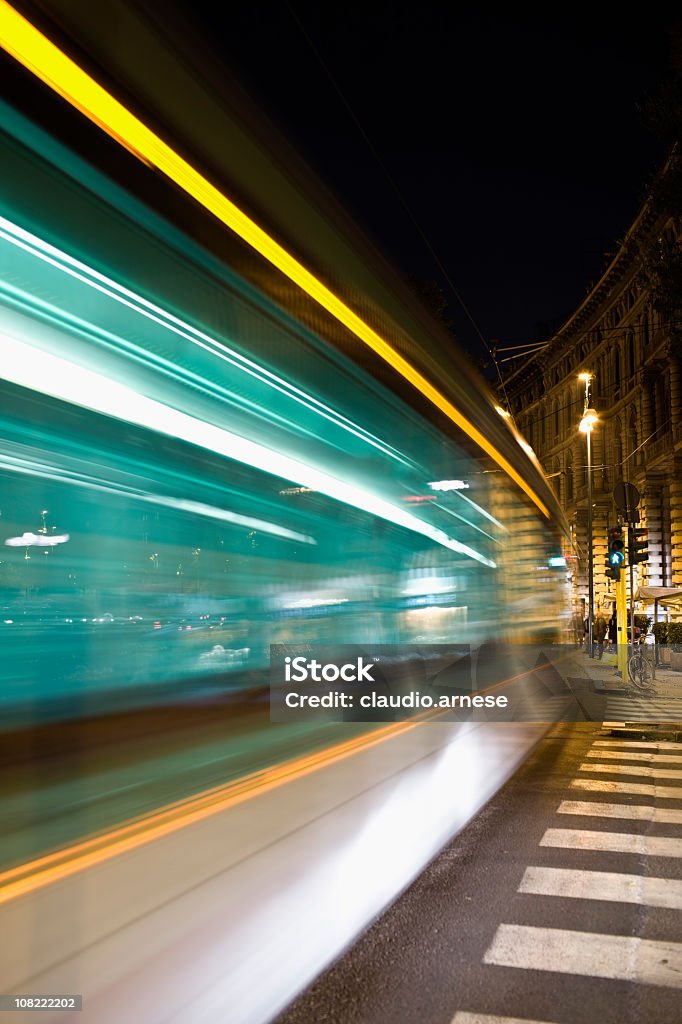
<point x="586" y="425"/>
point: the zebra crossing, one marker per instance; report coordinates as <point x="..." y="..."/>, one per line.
<point x="643" y="709"/>
<point x="612" y="773"/>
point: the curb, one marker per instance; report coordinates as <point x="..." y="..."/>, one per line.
<point x="630" y="730"/>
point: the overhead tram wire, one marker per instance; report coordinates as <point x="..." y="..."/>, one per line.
<point x="401" y="198"/>
<point x="37" y="53"/>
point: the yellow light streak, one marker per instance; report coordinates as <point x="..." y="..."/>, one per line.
<point x="45" y="60"/>
<point x="53" y="867"/>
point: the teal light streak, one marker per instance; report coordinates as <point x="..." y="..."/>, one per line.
<point x="473" y="526"/>
<point x="31" y="467"/>
<point x="62" y="319"/>
<point x="481" y="510"/>
<point x="87" y="275"/>
<point x="53" y="375"/>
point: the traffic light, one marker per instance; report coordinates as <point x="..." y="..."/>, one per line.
<point x="616" y="555"/>
<point x="637" y="546"/>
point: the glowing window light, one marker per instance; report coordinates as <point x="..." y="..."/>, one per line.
<point x="52" y="375"/>
<point x="429" y="585"/>
<point x="449" y="485"/>
<point x="33" y="540"/>
<point x="45" y="60"/>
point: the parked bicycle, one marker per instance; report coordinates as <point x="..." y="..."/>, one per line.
<point x="641" y="672"/>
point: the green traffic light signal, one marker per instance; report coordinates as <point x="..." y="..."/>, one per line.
<point x="616" y="553"/>
<point x="616" y="556"/>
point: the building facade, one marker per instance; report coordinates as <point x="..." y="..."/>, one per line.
<point x="627" y="333"/>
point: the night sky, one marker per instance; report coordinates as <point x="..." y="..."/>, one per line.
<point x="518" y="144"/>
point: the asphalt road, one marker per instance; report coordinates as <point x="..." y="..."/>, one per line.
<point x="561" y="902"/>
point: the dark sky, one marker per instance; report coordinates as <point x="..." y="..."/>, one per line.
<point x="518" y="144"/>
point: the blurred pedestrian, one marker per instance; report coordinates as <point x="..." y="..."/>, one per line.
<point x="599" y="634"/>
<point x="613" y="630"/>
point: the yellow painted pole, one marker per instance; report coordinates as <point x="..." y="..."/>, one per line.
<point x="621" y="621"/>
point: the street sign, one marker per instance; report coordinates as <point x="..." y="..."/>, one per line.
<point x="626" y="497"/>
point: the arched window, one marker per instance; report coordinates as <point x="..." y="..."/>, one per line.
<point x="632" y="354"/>
<point x="569" y="477"/>
<point x="617" y="451"/>
<point x="616" y="372"/>
<point x="633" y="436"/>
<point x="556" y="418"/>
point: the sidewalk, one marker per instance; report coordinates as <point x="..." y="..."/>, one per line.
<point x="606" y="677"/>
<point x="606" y="680"/>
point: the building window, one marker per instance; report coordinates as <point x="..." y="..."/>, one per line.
<point x="633" y="437"/>
<point x="632" y="354"/>
<point x="569" y="478"/>
<point x="617" y="451"/>
<point x="660" y="403"/>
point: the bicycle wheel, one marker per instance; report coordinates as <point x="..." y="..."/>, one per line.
<point x="641" y="673"/>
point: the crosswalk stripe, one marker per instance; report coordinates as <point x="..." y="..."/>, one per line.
<point x="462" y="1017"/>
<point x="592" y="954"/>
<point x="630" y="788"/>
<point x="641" y="770"/>
<point x="633" y="812"/>
<point x="604" y="885"/>
<point x="627" y="709"/>
<point x="626" y="705"/>
<point x="632" y="755"/>
<point x="612" y="842"/>
<point x="644" y="711"/>
<point x="640" y="744"/>
<point x="613" y="700"/>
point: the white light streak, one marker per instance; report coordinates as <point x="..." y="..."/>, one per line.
<point x="31" y="367"/>
<point x="112" y="289"/>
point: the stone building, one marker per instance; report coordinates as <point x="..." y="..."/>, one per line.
<point x="627" y="332"/>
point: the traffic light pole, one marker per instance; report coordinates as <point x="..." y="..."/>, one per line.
<point x="632" y="598"/>
<point x="622" y="631"/>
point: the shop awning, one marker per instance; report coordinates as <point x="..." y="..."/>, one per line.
<point x="669" y="597"/>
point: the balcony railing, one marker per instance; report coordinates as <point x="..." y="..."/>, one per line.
<point x="660" y="447"/>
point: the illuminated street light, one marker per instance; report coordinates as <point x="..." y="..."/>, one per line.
<point x="588" y="421"/>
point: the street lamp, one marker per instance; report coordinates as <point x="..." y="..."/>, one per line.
<point x="586" y="426"/>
